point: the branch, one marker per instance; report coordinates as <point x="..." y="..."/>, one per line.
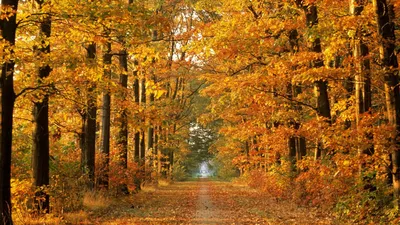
<point x="196" y="90"/>
<point x="288" y="98"/>
<point x="32" y="89"/>
<point x="247" y="67"/>
<point x="255" y="14"/>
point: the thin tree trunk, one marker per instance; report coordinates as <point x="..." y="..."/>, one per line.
<point x="158" y="150"/>
<point x="81" y="137"/>
<point x="164" y="160"/>
<point x="292" y="139"/>
<point x="137" y="157"/>
<point x="8" y="28"/>
<point x="301" y="148"/>
<point x="150" y="140"/>
<point x="106" y="125"/>
<point x="143" y="133"/>
<point x="136" y="90"/>
<point x="41" y="146"/>
<point x="150" y="134"/>
<point x="171" y="163"/>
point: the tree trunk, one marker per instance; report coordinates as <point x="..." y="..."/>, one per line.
<point x="392" y="91"/>
<point x="321" y="86"/>
<point x="41" y="148"/>
<point x="123" y="117"/>
<point x="90" y="125"/>
<point x="8" y="28"/>
<point x="292" y="151"/>
<point x="362" y="76"/>
<point x="294" y="90"/>
<point x="106" y="109"/>
<point x="150" y="134"/>
<point x="136" y="90"/>
<point x="301" y="148"/>
<point x="81" y="137"/>
<point x="171" y="163"/>
<point x="158" y="150"/>
<point x="164" y="160"/>
<point x="362" y="83"/>
<point x="122" y="140"/>
<point x="143" y="133"/>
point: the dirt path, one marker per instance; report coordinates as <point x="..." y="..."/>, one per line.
<point x="208" y="202"/>
<point x="206" y="211"/>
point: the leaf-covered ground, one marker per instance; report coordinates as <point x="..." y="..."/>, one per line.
<point x="206" y="202"/>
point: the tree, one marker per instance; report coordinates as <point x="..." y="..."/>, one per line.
<point x="321" y="86"/>
<point x="89" y="129"/>
<point x="200" y="140"/>
<point x="392" y="89"/>
<point x="41" y="146"/>
<point x="8" y="28"/>
<point x="363" y="96"/>
<point x="106" y="117"/>
<point x="122" y="139"/>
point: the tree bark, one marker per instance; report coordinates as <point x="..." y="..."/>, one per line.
<point x="8" y="28"/>
<point x="158" y="150"/>
<point x="106" y="125"/>
<point x="122" y="140"/>
<point x="321" y="86"/>
<point x="90" y="125"/>
<point x="298" y="143"/>
<point x="123" y="117"/>
<point x="143" y="133"/>
<point x="392" y="91"/>
<point x="301" y="148"/>
<point x="41" y="146"/>
<point x="136" y="91"/>
<point x="150" y="134"/>
<point x="362" y="84"/>
<point x="292" y="151"/>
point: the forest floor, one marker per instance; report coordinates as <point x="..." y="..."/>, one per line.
<point x="204" y="202"/>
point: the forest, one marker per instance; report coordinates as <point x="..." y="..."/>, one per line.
<point x="103" y="99"/>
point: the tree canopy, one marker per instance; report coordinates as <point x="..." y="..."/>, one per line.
<point x="299" y="98"/>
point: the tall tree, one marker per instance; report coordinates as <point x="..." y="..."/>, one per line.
<point x="41" y="146"/>
<point x="392" y="90"/>
<point x="297" y="145"/>
<point x="321" y="86"/>
<point x="8" y="28"/>
<point x="122" y="140"/>
<point x="106" y="118"/>
<point x="363" y="96"/>
<point x="143" y="132"/>
<point x="136" y="91"/>
<point x="89" y="147"/>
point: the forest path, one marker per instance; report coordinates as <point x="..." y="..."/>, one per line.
<point x="207" y="202"/>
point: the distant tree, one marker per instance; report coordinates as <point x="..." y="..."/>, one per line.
<point x="199" y="141"/>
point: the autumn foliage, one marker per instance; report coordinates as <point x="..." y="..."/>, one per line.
<point x="301" y="99"/>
